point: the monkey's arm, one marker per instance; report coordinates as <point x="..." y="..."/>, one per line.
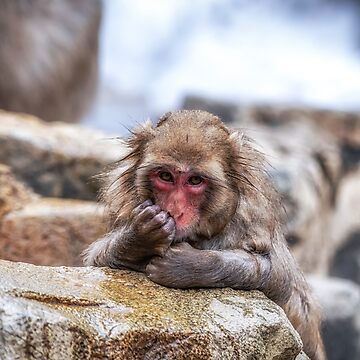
<point x="150" y="233"/>
<point x="114" y="250"/>
<point x="186" y="267"/>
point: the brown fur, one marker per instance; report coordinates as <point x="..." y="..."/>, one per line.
<point x="48" y="57"/>
<point x="238" y="241"/>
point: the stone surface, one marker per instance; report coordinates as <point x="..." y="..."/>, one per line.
<point x="57" y="159"/>
<point x="345" y="261"/>
<point x="13" y="194"/>
<point x="50" y="231"/>
<point x="44" y="231"/>
<point x="49" y="57"/>
<point x="302" y="356"/>
<point x="227" y="111"/>
<point x="91" y="313"/>
<point x="340" y="302"/>
<point x="345" y="126"/>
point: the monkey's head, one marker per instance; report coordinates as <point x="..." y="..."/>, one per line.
<point x="191" y="165"/>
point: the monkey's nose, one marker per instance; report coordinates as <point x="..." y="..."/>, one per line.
<point x="179" y="217"/>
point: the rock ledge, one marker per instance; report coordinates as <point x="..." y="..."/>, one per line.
<point x="91" y="313"/>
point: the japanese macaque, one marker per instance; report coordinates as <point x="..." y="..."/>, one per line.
<point x="191" y="205"/>
<point x="49" y="57"/>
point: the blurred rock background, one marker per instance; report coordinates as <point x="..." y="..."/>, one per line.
<point x="153" y="54"/>
<point x="286" y="72"/>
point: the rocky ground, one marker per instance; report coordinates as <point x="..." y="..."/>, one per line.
<point x="85" y="313"/>
<point x="49" y="214"/>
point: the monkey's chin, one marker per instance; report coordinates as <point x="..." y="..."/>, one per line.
<point x="183" y="233"/>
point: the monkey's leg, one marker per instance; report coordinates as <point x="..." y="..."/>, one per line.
<point x="150" y="233"/>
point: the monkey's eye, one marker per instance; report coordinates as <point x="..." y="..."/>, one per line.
<point x="165" y="176"/>
<point x="195" y="180"/>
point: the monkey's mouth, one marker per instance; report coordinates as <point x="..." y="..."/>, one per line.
<point x="183" y="223"/>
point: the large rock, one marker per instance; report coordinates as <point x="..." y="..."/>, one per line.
<point x="13" y="194"/>
<point x="341" y="124"/>
<point x="345" y="126"/>
<point x="44" y="231"/>
<point x="91" y="313"/>
<point x="55" y="159"/>
<point x="345" y="227"/>
<point x="227" y="111"/>
<point x="50" y="231"/>
<point x="340" y="302"/>
<point x="49" y="57"/>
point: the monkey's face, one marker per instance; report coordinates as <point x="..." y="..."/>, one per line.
<point x="181" y="193"/>
<point x="197" y="196"/>
<point x="185" y="167"/>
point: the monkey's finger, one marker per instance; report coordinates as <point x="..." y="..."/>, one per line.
<point x="142" y="206"/>
<point x="167" y="229"/>
<point x="160" y="237"/>
<point x="158" y="220"/>
<point x="149" y="212"/>
<point x="153" y="266"/>
<point x="150" y="270"/>
<point x="169" y="226"/>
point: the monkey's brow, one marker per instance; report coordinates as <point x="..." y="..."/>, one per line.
<point x="159" y="166"/>
<point x="154" y="166"/>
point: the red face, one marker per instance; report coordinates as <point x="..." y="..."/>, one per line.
<point x="180" y="193"/>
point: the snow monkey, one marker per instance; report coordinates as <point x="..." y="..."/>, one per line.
<point x="191" y="206"/>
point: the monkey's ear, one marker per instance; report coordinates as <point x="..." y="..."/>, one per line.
<point x="163" y="118"/>
<point x="237" y="139"/>
<point x="138" y="139"/>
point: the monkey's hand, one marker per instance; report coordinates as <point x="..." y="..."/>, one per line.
<point x="149" y="233"/>
<point x="153" y="229"/>
<point x="180" y="267"/>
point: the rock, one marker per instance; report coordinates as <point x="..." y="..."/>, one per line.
<point x="50" y="231"/>
<point x="345" y="261"/>
<point x="227" y="111"/>
<point x="344" y="126"/>
<point x="91" y="313"/>
<point x="49" y="57"/>
<point x="302" y="356"/>
<point x="56" y="159"/>
<point x="340" y="302"/>
<point x="44" y="231"/>
<point x="13" y="194"/>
